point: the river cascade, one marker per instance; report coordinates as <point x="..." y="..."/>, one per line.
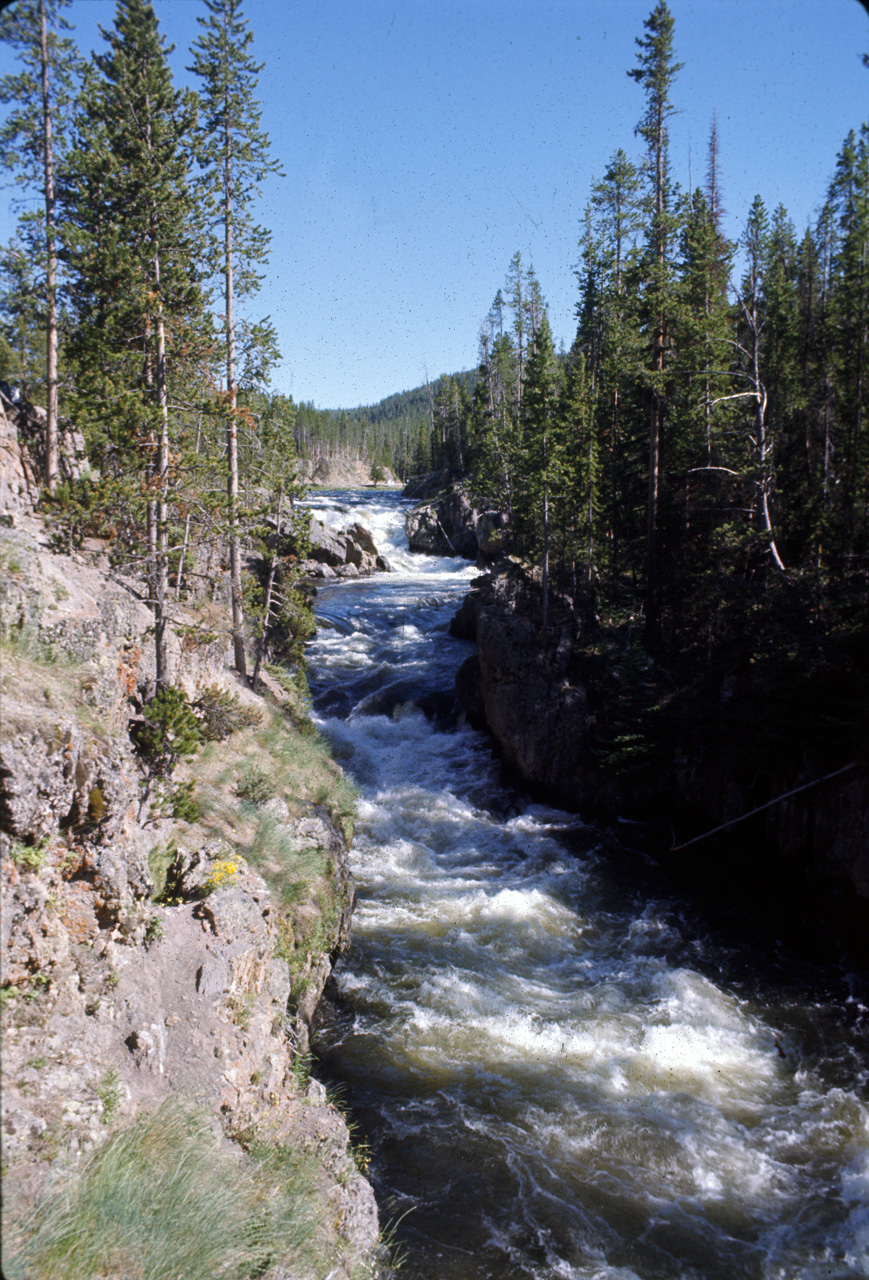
<point x="560" y="1070"/>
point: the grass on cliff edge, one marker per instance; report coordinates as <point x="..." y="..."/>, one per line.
<point x="163" y="1198"/>
<point x="282" y="757"/>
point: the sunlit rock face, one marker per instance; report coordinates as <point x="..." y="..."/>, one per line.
<point x="541" y="720"/>
<point x="444" y="526"/>
<point x="117" y="1000"/>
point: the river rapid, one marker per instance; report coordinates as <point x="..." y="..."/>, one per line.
<point x="561" y="1069"/>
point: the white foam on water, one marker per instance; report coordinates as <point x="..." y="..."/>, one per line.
<point x="559" y="1031"/>
<point x="854" y="1240"/>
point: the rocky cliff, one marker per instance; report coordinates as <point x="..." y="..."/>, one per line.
<point x="448" y="521"/>
<point x="165" y="940"/>
<point x="591" y="721"/>
<point x="342" y="473"/>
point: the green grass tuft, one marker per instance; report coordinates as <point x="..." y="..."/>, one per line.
<point x="163" y="1199"/>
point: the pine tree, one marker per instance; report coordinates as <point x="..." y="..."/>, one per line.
<point x="30" y="144"/>
<point x="701" y="333"/>
<point x="133" y="247"/>
<point x="22" y="308"/>
<point x="656" y="72"/>
<point x="235" y="152"/>
<point x="849" y="200"/>
<point x="516" y="286"/>
<point x="752" y="303"/>
<point x="579" y="504"/>
<point x="540" y="462"/>
<point x="610" y="337"/>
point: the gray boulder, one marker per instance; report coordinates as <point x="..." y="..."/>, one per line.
<point x="445" y="526"/>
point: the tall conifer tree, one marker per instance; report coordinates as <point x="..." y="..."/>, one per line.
<point x="235" y="151"/>
<point x="30" y="143"/>
<point x="133" y="249"/>
<point x="656" y="71"/>
<point x="540" y="460"/>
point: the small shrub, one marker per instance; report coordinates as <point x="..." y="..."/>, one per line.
<point x="154" y="930"/>
<point x="168" y="731"/>
<point x="31" y="857"/>
<point x="220" y="713"/>
<point x="255" y="785"/>
<point x="93" y="507"/>
<point x="169" y="799"/>
<point x="110" y="1091"/>
<point x="182" y="803"/>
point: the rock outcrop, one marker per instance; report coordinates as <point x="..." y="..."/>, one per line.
<point x="21" y="454"/>
<point x="145" y="957"/>
<point x="422" y="488"/>
<point x="542" y="702"/>
<point x="523" y="692"/>
<point x="449" y="523"/>
<point x="343" y="473"/>
<point x="342" y="553"/>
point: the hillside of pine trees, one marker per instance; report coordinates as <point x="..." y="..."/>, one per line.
<point x="695" y="467"/>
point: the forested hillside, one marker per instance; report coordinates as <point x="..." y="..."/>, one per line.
<point x="699" y="460"/>
<point x="411" y="432"/>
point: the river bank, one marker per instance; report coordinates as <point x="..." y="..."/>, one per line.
<point x="767" y="734"/>
<point x="587" y="717"/>
<point x="172" y="907"/>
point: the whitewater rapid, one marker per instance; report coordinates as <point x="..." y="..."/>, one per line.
<point x="558" y="1075"/>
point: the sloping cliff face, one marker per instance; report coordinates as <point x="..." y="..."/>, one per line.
<point x="342" y="473"/>
<point x="556" y="708"/>
<point x="525" y="693"/>
<point x="148" y="960"/>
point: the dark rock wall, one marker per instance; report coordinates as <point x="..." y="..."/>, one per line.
<point x="529" y="697"/>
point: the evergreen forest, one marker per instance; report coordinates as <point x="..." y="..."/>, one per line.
<point x="696" y="466"/>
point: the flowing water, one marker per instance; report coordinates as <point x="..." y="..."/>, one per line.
<point x="560" y="1070"/>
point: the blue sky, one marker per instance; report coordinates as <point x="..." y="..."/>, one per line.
<point x="423" y="143"/>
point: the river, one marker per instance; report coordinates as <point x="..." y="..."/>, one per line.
<point x="561" y="1069"/>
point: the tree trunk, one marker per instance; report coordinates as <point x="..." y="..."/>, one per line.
<point x="652" y="624"/>
<point x="764" y="447"/>
<point x="273" y="568"/>
<point x="51" y="446"/>
<point x="544" y="575"/>
<point x="161" y="568"/>
<point x="232" y="406"/>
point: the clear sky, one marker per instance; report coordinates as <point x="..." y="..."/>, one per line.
<point x="424" y="142"/>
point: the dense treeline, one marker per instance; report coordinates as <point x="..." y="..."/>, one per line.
<point x="123" y="294"/>
<point x="700" y="457"/>
<point x="411" y="432"/>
